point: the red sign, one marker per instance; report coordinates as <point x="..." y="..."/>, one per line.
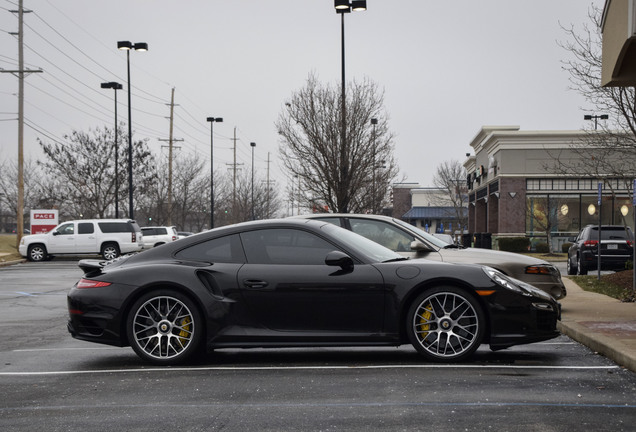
<point x="43" y="221"/>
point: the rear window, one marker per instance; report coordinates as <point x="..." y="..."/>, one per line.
<point x="116" y="227"/>
<point x="611" y="233"/>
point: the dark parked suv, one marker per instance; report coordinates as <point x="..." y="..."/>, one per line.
<point x="616" y="249"/>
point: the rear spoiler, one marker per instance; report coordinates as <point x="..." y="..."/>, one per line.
<point x="92" y="265"/>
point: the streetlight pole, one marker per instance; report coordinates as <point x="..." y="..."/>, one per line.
<point x="374" y="122"/>
<point x="115" y="86"/>
<point x="128" y="46"/>
<point x="212" y="120"/>
<point x="253" y="144"/>
<point x="342" y="7"/>
<point x="595" y="118"/>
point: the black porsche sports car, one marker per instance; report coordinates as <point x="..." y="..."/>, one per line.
<point x="291" y="283"/>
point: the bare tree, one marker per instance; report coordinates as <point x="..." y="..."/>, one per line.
<point x="450" y="178"/>
<point x="312" y="148"/>
<point x="84" y="168"/>
<point x="610" y="151"/>
<point x="34" y="197"/>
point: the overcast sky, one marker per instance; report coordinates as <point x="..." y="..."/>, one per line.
<point x="447" y="68"/>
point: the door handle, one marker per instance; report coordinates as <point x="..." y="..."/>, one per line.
<point x="255" y="284"/>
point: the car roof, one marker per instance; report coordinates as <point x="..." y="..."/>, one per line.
<point x="342" y="215"/>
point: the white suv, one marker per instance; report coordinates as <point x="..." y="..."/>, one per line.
<point x="108" y="237"/>
<point x="156" y="236"/>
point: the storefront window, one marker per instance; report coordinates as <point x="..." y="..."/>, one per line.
<point x="623" y="212"/>
<point x="558" y="214"/>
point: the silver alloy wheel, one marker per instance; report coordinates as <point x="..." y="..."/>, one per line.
<point x="110" y="252"/>
<point x="163" y="327"/>
<point x="446" y="325"/>
<point x="37" y="253"/>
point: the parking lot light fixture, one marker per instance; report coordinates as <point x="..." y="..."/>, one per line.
<point x="212" y="120"/>
<point x="128" y="46"/>
<point x="342" y="7"/>
<point x="115" y="86"/>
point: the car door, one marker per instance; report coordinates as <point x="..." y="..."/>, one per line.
<point x="62" y="239"/>
<point x="288" y="287"/>
<point x="85" y="238"/>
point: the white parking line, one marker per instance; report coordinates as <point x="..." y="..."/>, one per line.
<point x="290" y="368"/>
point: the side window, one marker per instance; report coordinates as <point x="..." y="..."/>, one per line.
<point x="115" y="227"/>
<point x="226" y="249"/>
<point x="161" y="231"/>
<point x="67" y="229"/>
<point x="382" y="233"/>
<point x="85" y="228"/>
<point x="285" y="246"/>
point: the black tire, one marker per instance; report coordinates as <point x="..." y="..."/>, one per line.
<point x="446" y="324"/>
<point x="164" y="327"/>
<point x="37" y="253"/>
<point x="571" y="266"/>
<point x="580" y="267"/>
<point x="110" y="251"/>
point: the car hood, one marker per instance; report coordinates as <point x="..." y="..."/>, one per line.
<point x="34" y="237"/>
<point x="487" y="257"/>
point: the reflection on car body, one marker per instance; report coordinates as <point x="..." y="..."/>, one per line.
<point x="413" y="242"/>
<point x="290" y="283"/>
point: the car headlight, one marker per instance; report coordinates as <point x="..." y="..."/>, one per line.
<point x="506" y="282"/>
<point x="515" y="285"/>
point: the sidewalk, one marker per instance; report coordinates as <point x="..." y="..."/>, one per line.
<point x="601" y="323"/>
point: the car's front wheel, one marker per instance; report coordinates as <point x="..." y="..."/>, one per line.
<point x="445" y="324"/>
<point x="110" y="251"/>
<point x="165" y="327"/>
<point x="37" y="252"/>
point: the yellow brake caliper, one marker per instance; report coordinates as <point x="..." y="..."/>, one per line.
<point x="424" y="319"/>
<point x="185" y="332"/>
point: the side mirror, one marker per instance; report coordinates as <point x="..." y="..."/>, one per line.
<point x="56" y="233"/>
<point x="339" y="259"/>
<point x="417" y="245"/>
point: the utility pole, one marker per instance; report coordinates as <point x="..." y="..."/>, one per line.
<point x="267" y="206"/>
<point x="234" y="167"/>
<point x="20" y="72"/>
<point x="170" y="147"/>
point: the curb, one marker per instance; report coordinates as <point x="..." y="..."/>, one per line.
<point x="604" y="345"/>
<point x="8" y="263"/>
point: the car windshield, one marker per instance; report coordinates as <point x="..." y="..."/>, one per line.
<point x="362" y="245"/>
<point x="611" y="233"/>
<point x="426" y="236"/>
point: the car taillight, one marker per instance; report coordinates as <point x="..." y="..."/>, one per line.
<point x="590" y="243"/>
<point x="133" y="237"/>
<point x="539" y="269"/>
<point x="87" y="283"/>
<point x="629" y="243"/>
<point x="174" y="238"/>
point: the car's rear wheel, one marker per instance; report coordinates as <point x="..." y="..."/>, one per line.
<point x="165" y="327"/>
<point x="580" y="267"/>
<point x="571" y="266"/>
<point x="37" y="252"/>
<point x="110" y="251"/>
<point x="445" y="324"/>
